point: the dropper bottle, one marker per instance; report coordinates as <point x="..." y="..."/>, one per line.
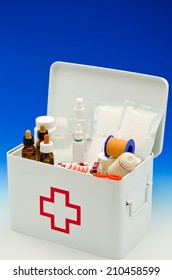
<point x="40" y="136"/>
<point x="78" y="145"/>
<point x="29" y="150"/>
<point x="79" y="117"/>
<point x="46" y="150"/>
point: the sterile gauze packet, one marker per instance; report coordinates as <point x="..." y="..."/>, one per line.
<point x="107" y="116"/>
<point x="140" y="122"/>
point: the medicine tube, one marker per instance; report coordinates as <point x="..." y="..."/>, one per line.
<point x="29" y="150"/>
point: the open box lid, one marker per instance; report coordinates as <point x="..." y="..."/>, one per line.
<point x="69" y="81"/>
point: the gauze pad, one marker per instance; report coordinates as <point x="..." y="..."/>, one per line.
<point x="107" y="116"/>
<point x="140" y="122"/>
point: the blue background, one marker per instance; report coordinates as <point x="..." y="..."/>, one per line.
<point x="126" y="35"/>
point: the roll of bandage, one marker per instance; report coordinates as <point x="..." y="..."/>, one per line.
<point x="104" y="162"/>
<point x="114" y="147"/>
<point x="124" y="164"/>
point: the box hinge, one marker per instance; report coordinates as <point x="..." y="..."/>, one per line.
<point x="129" y="203"/>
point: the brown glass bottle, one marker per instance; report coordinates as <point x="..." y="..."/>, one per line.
<point x="40" y="135"/>
<point x="47" y="158"/>
<point x="46" y="151"/>
<point x="28" y="151"/>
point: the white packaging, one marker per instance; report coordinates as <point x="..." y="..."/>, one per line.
<point x="107" y="117"/>
<point x="140" y="122"/>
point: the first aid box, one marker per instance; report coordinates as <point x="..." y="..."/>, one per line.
<point x="97" y="215"/>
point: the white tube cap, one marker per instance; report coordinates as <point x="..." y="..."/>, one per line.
<point x="79" y="108"/>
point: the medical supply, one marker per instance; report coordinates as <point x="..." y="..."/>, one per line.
<point x="114" y="147"/>
<point x="71" y="165"/>
<point x="107" y="116"/>
<point x="141" y="123"/>
<point x="62" y="141"/>
<point x="84" y="163"/>
<point x="104" y="162"/>
<point x="74" y="166"/>
<point x="77" y="167"/>
<point x="64" y="164"/>
<point x="40" y="136"/>
<point x="29" y="150"/>
<point x="123" y="164"/>
<point x="49" y="123"/>
<point x="108" y="175"/>
<point x="46" y="150"/>
<point x="79" y="117"/>
<point x="78" y="145"/>
<point x="61" y="164"/>
<point x="94" y="168"/>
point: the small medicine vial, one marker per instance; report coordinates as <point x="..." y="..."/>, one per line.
<point x="78" y="145"/>
<point x="79" y="117"/>
<point x="46" y="150"/>
<point x="40" y="136"/>
<point x="29" y="150"/>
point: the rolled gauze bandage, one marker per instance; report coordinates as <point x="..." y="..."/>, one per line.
<point x="115" y="147"/>
<point x="104" y="162"/>
<point x="123" y="164"/>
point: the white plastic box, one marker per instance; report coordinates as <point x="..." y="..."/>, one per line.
<point x="101" y="216"/>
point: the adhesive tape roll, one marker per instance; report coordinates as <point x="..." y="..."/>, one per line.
<point x="115" y="147"/>
<point x="105" y="162"/>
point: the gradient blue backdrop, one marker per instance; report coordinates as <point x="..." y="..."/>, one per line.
<point x="128" y="35"/>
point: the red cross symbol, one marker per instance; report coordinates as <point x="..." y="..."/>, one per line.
<point x="56" y="192"/>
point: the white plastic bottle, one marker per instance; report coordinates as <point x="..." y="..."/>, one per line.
<point x="79" y="117"/>
<point x="78" y="145"/>
<point x="49" y="123"/>
<point x="62" y="141"/>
